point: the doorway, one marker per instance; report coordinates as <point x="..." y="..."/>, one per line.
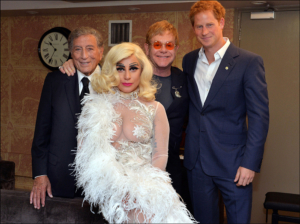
<point x="277" y="41"/>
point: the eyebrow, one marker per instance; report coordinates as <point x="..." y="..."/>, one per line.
<point x="120" y="65"/>
<point x="83" y="46"/>
<point x="134" y="64"/>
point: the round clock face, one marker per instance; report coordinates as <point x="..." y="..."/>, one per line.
<point x="53" y="47"/>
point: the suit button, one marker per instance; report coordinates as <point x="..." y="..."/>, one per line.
<point x="202" y="114"/>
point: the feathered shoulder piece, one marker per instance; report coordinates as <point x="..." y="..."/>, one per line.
<point x="115" y="187"/>
<point x="95" y="162"/>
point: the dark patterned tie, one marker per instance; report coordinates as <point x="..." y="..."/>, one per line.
<point x="85" y="90"/>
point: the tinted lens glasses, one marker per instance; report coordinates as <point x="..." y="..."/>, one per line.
<point x="169" y="45"/>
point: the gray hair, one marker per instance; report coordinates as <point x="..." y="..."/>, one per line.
<point x="84" y="30"/>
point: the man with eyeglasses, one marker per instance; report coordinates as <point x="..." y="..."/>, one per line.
<point x="161" y="47"/>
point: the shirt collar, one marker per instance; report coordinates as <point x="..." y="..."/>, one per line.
<point x="81" y="75"/>
<point x="223" y="49"/>
<point x="220" y="53"/>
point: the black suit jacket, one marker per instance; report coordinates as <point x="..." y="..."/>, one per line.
<point x="55" y="132"/>
<point x="177" y="113"/>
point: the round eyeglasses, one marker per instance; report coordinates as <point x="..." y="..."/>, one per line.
<point x="169" y="45"/>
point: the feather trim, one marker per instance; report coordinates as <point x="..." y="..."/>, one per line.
<point x="118" y="188"/>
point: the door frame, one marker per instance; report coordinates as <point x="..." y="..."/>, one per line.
<point x="238" y="15"/>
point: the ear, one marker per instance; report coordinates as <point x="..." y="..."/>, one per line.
<point x="101" y="52"/>
<point x="176" y="48"/>
<point x="146" y="47"/>
<point x="222" y="23"/>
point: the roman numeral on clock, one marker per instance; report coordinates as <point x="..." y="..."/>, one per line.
<point x="46" y="56"/>
<point x="65" y="56"/>
<point x="50" y="38"/>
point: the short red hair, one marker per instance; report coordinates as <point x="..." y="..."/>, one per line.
<point x="201" y="6"/>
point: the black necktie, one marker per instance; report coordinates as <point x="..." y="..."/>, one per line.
<point x="85" y="90"/>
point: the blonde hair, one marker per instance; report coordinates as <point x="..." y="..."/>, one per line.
<point x="160" y="28"/>
<point x="201" y="6"/>
<point x="109" y="76"/>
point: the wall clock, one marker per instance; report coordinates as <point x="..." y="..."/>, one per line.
<point x="53" y="47"/>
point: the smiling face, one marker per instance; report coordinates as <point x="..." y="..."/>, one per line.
<point x="208" y="30"/>
<point x="86" y="54"/>
<point x="162" y="58"/>
<point x="129" y="70"/>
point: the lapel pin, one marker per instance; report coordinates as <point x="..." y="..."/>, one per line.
<point x="226" y="67"/>
<point x="177" y="93"/>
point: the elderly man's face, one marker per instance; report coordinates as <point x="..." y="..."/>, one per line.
<point x="86" y="54"/>
<point x="162" y="58"/>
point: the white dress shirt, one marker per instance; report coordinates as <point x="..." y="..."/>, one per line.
<point x="81" y="76"/>
<point x="206" y="72"/>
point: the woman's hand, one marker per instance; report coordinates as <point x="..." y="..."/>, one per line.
<point x="68" y="68"/>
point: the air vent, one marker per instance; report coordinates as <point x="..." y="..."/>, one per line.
<point x="119" y="31"/>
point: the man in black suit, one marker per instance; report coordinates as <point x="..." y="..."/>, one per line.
<point x="55" y="131"/>
<point x="161" y="47"/>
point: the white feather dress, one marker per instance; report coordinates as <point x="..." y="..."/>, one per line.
<point x="120" y="161"/>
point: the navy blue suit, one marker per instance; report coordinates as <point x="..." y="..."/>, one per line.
<point x="218" y="140"/>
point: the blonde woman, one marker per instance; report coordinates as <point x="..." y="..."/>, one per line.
<point x="123" y="144"/>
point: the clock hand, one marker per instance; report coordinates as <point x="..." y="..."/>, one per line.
<point x="52" y="46"/>
<point x="52" y="55"/>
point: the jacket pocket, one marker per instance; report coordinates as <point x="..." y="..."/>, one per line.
<point x="234" y="139"/>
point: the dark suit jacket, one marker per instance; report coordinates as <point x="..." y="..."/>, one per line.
<point x="55" y="132"/>
<point x="218" y="129"/>
<point x="176" y="114"/>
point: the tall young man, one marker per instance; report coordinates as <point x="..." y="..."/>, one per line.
<point x="226" y="85"/>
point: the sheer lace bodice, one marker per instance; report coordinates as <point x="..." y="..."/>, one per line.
<point x="121" y="158"/>
<point x="141" y="131"/>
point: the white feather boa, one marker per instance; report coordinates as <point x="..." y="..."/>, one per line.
<point x="107" y="183"/>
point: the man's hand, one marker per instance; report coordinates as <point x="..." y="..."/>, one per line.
<point x="41" y="184"/>
<point x="68" y="67"/>
<point x="244" y="176"/>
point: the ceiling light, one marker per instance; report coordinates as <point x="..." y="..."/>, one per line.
<point x="258" y="2"/>
<point x="32" y="12"/>
<point x="134" y="9"/>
